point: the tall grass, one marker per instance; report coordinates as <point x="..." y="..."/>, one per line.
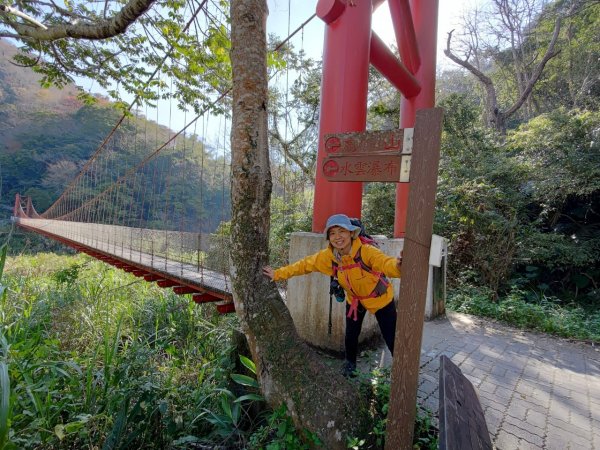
<point x="4" y="379"/>
<point x="96" y="358"/>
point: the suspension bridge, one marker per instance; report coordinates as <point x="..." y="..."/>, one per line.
<point x="156" y="203"/>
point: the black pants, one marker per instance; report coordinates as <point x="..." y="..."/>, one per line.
<point x="386" y="318"/>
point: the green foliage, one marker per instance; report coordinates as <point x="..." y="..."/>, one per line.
<point x="195" y="59"/>
<point x="375" y="387"/>
<point x="286" y="218"/>
<point x="100" y="357"/>
<point x="524" y="213"/>
<point x="279" y="433"/>
<point x="530" y="310"/>
<point x="479" y="203"/>
<point x="4" y="378"/>
<point x="92" y="355"/>
<point x="379" y="204"/>
<point x="562" y="152"/>
<point x="569" y="79"/>
<point x="234" y="422"/>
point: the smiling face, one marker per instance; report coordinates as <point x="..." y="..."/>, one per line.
<point x="340" y="239"/>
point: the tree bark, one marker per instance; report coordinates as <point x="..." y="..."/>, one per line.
<point x="94" y="31"/>
<point x="318" y="398"/>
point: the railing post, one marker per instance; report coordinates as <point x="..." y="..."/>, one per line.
<point x="198" y="250"/>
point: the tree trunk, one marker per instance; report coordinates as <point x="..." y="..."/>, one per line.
<point x="317" y="397"/>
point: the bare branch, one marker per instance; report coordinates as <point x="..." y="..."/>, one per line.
<point x="465" y="63"/>
<point x="4" y="34"/>
<point x="15" y="12"/>
<point x="101" y="30"/>
<point x="537" y="72"/>
<point x="274" y="132"/>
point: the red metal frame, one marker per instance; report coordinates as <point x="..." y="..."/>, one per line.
<point x="349" y="47"/>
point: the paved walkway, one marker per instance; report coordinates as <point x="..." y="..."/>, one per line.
<point x="537" y="391"/>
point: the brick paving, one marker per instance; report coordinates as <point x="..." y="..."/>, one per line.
<point x="537" y="391"/>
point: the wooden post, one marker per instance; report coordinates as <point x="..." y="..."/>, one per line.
<point x="415" y="270"/>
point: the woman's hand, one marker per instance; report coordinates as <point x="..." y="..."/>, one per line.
<point x="269" y="272"/>
<point x="399" y="261"/>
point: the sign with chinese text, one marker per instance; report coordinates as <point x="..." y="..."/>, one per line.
<point x="369" y="156"/>
<point x="375" y="167"/>
<point x="388" y="141"/>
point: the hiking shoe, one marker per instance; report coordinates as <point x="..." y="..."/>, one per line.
<point x="349" y="369"/>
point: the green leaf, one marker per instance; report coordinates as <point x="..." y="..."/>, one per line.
<point x="59" y="431"/>
<point x="3" y="250"/>
<point x="226" y="407"/>
<point x="244" y="380"/>
<point x="248" y="363"/>
<point x="256" y="397"/>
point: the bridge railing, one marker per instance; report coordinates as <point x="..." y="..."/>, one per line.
<point x="161" y="249"/>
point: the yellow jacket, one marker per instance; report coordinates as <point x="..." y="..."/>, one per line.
<point x="355" y="281"/>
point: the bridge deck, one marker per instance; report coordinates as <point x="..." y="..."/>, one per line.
<point x="116" y="242"/>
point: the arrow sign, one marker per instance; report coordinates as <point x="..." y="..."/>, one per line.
<point x="369" y="142"/>
<point x="371" y="167"/>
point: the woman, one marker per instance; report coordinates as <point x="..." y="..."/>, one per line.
<point x="362" y="271"/>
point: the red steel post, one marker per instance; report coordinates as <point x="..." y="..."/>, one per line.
<point x="343" y="97"/>
<point x="425" y="16"/>
<point x="405" y="34"/>
<point x="392" y="69"/>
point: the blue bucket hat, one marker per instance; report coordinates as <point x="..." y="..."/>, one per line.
<point x="341" y="220"/>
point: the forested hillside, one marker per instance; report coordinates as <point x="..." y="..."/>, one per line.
<point x="47" y="134"/>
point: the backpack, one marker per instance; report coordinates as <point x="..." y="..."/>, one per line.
<point x="335" y="290"/>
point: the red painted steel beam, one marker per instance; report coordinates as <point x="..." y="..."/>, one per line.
<point x="226" y="308"/>
<point x="18" y="212"/>
<point x="152" y="277"/>
<point x="181" y="290"/>
<point x="17" y="203"/>
<point x="425" y="16"/>
<point x="404" y="30"/>
<point x="343" y="105"/>
<point x="164" y="283"/>
<point x="392" y="69"/>
<point x="205" y="297"/>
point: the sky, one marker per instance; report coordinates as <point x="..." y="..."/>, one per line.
<point x="449" y="15"/>
<point x="282" y="23"/>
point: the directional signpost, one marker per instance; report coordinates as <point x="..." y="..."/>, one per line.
<point x="369" y="156"/>
<point x="386" y="156"/>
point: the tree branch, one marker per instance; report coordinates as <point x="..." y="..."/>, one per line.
<point x="27" y="65"/>
<point x="5" y="9"/>
<point x="465" y="63"/>
<point x="537" y="72"/>
<point x="101" y="30"/>
<point x="274" y="132"/>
